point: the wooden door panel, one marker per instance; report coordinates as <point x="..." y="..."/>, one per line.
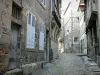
<point x="14" y="47"/>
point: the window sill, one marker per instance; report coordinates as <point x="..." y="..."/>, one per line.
<point x="41" y="51"/>
<point x="13" y="19"/>
<point x="75" y="43"/>
<point x="30" y="50"/>
<point x="43" y="6"/>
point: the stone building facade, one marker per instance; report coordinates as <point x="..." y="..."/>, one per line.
<point x="72" y="31"/>
<point x="83" y="38"/>
<point x="91" y="14"/>
<point x="24" y="35"/>
<point x="55" y="27"/>
<point x="71" y="27"/>
<point x="91" y="19"/>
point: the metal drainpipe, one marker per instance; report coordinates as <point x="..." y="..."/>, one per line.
<point x="20" y="44"/>
<point x="98" y="5"/>
<point x="50" y="25"/>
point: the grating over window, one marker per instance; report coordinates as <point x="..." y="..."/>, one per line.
<point x="16" y="11"/>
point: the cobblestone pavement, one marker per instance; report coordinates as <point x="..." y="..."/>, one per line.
<point x="67" y="64"/>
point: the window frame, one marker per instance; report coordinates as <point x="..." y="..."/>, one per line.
<point x="42" y="27"/>
<point x="31" y="18"/>
<point x="31" y="24"/>
<point x="76" y="41"/>
<point x="43" y="2"/>
<point x="34" y="20"/>
<point x="16" y="11"/>
<point x="41" y="30"/>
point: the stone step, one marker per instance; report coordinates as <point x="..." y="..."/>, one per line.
<point x="96" y="73"/>
<point x="14" y="72"/>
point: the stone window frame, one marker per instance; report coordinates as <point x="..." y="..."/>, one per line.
<point x="42" y="4"/>
<point x="42" y="30"/>
<point x="42" y="27"/>
<point x="16" y="11"/>
<point x="31" y="19"/>
<point x="30" y="22"/>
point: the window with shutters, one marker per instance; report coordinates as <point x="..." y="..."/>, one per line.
<point x="33" y="21"/>
<point x="16" y="11"/>
<point x="29" y="18"/>
<point x="43" y="2"/>
<point x="41" y="38"/>
<point x="31" y="30"/>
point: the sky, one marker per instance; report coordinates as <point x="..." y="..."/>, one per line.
<point x="72" y="11"/>
<point x="74" y="4"/>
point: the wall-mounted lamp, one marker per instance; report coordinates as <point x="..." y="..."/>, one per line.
<point x="1" y="51"/>
<point x="82" y="6"/>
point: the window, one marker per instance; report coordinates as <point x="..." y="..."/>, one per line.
<point x="41" y="37"/>
<point x="31" y="31"/>
<point x="42" y="27"/>
<point x="75" y="39"/>
<point x="43" y="2"/>
<point x="93" y="1"/>
<point x="33" y="21"/>
<point x="16" y="11"/>
<point x="67" y="30"/>
<point x="29" y="18"/>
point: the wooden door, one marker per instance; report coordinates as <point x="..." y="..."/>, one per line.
<point x="14" y="52"/>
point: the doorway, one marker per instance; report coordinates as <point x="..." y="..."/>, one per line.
<point x="95" y="40"/>
<point x="47" y="45"/>
<point x="15" y="46"/>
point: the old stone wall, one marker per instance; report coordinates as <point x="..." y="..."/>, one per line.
<point x="54" y="47"/>
<point x="28" y="56"/>
<point x="42" y="15"/>
<point x="5" y="24"/>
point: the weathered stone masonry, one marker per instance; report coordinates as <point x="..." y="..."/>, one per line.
<point x="28" y="56"/>
<point x="5" y="24"/>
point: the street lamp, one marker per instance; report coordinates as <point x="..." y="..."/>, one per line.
<point x="82" y="5"/>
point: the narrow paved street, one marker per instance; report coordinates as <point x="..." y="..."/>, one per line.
<point x="49" y="37"/>
<point x="67" y="64"/>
